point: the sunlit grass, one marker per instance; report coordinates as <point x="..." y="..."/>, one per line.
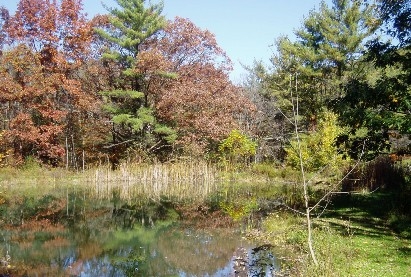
<point x="349" y="243"/>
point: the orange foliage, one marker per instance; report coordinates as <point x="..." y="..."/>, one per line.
<point x="49" y="43"/>
<point x="202" y="103"/>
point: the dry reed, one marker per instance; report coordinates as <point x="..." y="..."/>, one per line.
<point x="179" y="181"/>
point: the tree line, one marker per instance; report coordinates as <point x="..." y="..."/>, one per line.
<point x="125" y="84"/>
<point x="348" y="74"/>
<point x="132" y="85"/>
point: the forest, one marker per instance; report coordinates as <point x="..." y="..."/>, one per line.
<point x="131" y="86"/>
<point x="329" y="117"/>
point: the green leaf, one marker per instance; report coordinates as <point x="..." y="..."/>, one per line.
<point x="121" y="118"/>
<point x="110" y="108"/>
<point x="146" y="115"/>
<point x="132" y="94"/>
<point x="136" y="124"/>
<point x="169" y="134"/>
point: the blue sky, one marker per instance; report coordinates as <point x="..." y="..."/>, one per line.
<point x="245" y="29"/>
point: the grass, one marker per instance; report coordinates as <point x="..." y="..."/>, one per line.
<point x="351" y="239"/>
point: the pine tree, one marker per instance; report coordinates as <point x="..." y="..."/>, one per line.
<point x="377" y="107"/>
<point x="133" y="114"/>
<point x="326" y="53"/>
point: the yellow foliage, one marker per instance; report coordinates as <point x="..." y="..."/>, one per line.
<point x="237" y="148"/>
<point x="318" y="149"/>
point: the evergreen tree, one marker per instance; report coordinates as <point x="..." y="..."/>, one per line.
<point x="132" y="23"/>
<point x="378" y="106"/>
<point x="133" y="115"/>
<point x="325" y="55"/>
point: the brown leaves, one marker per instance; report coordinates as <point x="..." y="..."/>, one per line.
<point x="43" y="23"/>
<point x="28" y="96"/>
<point x="29" y="139"/>
<point x="42" y="76"/>
<point x="36" y="101"/>
<point x="201" y="102"/>
<point x="151" y="63"/>
<point x="184" y="44"/>
<point x="32" y="20"/>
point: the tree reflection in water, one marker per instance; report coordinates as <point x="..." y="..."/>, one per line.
<point x="106" y="250"/>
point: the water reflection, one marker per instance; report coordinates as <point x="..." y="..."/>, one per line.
<point x="106" y="250"/>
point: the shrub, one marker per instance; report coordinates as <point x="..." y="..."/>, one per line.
<point x="237" y="149"/>
<point x="381" y="173"/>
<point x="318" y="148"/>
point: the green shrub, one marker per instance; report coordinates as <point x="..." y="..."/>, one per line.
<point x="238" y="210"/>
<point x="318" y="148"/>
<point x="237" y="149"/>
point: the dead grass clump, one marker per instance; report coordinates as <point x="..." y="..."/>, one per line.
<point x="381" y="173"/>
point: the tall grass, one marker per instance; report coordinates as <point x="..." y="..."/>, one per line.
<point x="177" y="181"/>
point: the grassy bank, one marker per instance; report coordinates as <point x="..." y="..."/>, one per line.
<point x="355" y="237"/>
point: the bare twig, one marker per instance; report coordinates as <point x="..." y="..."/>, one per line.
<point x="117" y="144"/>
<point x="339" y="182"/>
<point x="292" y="209"/>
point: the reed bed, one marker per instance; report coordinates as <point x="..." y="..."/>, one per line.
<point x="177" y="181"/>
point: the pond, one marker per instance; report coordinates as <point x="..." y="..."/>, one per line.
<point x="100" y="247"/>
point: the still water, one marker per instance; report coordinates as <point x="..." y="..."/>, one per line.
<point x="101" y="248"/>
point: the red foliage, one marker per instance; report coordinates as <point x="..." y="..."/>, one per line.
<point x="201" y="102"/>
<point x="43" y="24"/>
<point x="50" y="43"/>
<point x="29" y="95"/>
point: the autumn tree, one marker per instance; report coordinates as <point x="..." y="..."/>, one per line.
<point x="49" y="42"/>
<point x="201" y="103"/>
<point x="32" y="128"/>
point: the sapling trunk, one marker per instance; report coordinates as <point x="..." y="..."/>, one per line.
<point x="305" y="184"/>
